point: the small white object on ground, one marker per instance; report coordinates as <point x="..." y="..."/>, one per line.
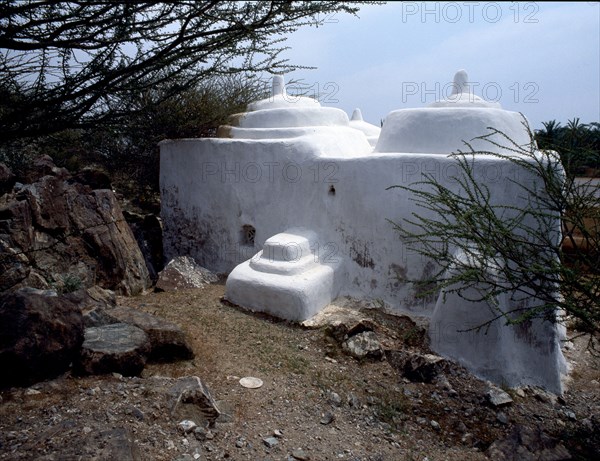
<point x="251" y="383"/>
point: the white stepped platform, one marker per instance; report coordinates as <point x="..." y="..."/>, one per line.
<point x="286" y="279"/>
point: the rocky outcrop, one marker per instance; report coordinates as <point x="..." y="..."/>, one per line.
<point x="147" y="230"/>
<point x="40" y="335"/>
<point x="7" y="179"/>
<point x="58" y="231"/>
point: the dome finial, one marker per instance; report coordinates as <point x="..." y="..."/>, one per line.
<point x="461" y="82"/>
<point x="278" y="86"/>
<point x="356" y="115"/>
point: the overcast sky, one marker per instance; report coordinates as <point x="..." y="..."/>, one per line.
<point x="542" y="59"/>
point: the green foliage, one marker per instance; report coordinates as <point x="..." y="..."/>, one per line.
<point x="485" y="249"/>
<point x="67" y="283"/>
<point x="578" y="144"/>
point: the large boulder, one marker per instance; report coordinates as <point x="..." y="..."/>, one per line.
<point x="61" y="232"/>
<point x="118" y="348"/>
<point x="183" y="273"/>
<point x="40" y="335"/>
<point x="168" y="342"/>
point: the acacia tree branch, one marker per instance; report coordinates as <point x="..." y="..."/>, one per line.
<point x="510" y="249"/>
<point x="67" y="63"/>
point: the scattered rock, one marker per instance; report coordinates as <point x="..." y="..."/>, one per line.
<point x="526" y="443"/>
<point x="240" y="442"/>
<point x="186" y="426"/>
<point x="337" y="320"/>
<point x="502" y="418"/>
<point x="544" y="396"/>
<point x="497" y="397"/>
<point x="270" y="442"/>
<point x="435" y="425"/>
<point x="363" y="345"/>
<point x="416" y="367"/>
<point x="184" y="273"/>
<point x="353" y="401"/>
<point x="460" y="427"/>
<point x="31" y="391"/>
<point x="44" y="166"/>
<point x="118" y="347"/>
<point x="327" y="418"/>
<point x="118" y="444"/>
<point x="341" y="330"/>
<point x="442" y="382"/>
<point x="202" y="434"/>
<point x="193" y="400"/>
<point x="300" y="455"/>
<point x="335" y="399"/>
<point x="167" y="340"/>
<point x="39" y="337"/>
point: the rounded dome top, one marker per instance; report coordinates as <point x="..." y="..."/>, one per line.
<point x="444" y="126"/>
<point x="283" y="116"/>
<point x="462" y="96"/>
<point x="283" y="111"/>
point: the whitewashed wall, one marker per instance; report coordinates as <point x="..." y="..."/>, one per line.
<point x="211" y="188"/>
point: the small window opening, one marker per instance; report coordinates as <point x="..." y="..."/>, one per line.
<point x="248" y="233"/>
<point x="331" y="190"/>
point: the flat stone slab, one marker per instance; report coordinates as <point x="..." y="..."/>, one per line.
<point x="497" y="397"/>
<point x="118" y="348"/>
<point x="167" y="340"/>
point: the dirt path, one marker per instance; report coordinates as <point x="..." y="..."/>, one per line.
<point x="316" y="402"/>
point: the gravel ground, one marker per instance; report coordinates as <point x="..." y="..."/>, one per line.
<point x="315" y="403"/>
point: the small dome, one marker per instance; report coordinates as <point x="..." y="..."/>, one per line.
<point x="283" y="116"/>
<point x="371" y="131"/>
<point x="444" y="126"/>
<point x="289" y="114"/>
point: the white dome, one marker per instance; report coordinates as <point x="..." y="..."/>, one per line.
<point x="444" y="126"/>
